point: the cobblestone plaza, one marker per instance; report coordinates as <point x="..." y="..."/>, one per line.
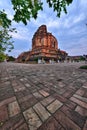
<point x="43" y="96"/>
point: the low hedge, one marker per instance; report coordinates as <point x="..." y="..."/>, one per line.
<point x="83" y="67"/>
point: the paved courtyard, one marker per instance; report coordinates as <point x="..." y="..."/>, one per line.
<point x="43" y="97"/>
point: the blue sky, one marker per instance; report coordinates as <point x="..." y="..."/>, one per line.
<point x="70" y="29"/>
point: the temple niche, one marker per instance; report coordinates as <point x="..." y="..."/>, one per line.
<point x="44" y="48"/>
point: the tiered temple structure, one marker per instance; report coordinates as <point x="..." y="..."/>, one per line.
<point x="44" y="48"/>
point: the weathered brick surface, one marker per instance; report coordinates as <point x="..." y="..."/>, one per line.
<point x="25" y="98"/>
<point x="12" y="123"/>
<point x="54" y="106"/>
<point x="67" y="123"/>
<point x="74" y="116"/>
<point x="81" y="111"/>
<point x="13" y="108"/>
<point x="85" y="126"/>
<point x="60" y="98"/>
<point x="29" y="103"/>
<point x="80" y="92"/>
<point x="79" y="102"/>
<point x="19" y="87"/>
<point x="43" y="97"/>
<point x="47" y="100"/>
<point x="71" y="104"/>
<point x="80" y="98"/>
<point x="6" y="92"/>
<point x="32" y="119"/>
<point x="68" y="93"/>
<point x="3" y="113"/>
<point x="38" y="95"/>
<point x="44" y="93"/>
<point x="42" y="112"/>
<point x="51" y="124"/>
<point x="7" y="101"/>
<point x="22" y="127"/>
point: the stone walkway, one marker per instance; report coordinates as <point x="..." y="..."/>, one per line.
<point x="43" y="97"/>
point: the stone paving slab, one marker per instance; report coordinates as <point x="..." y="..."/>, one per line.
<point x="43" y="97"/>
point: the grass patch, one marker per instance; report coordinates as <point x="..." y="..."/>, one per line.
<point x="83" y="67"/>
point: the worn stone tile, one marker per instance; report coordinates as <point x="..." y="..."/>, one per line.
<point x="84" y="86"/>
<point x="80" y="98"/>
<point x="28" y="103"/>
<point x="19" y="124"/>
<point x="54" y="106"/>
<point x="85" y="126"/>
<point x="61" y="84"/>
<point x="38" y="95"/>
<point x="79" y="102"/>
<point x="18" y="88"/>
<point x="71" y="104"/>
<point x="6" y="92"/>
<point x="41" y="111"/>
<point x="73" y="115"/>
<point x="23" y="127"/>
<point x="81" y="110"/>
<point x="27" y="85"/>
<point x="60" y="98"/>
<point x="67" y="94"/>
<point x="80" y="92"/>
<point x="32" y="119"/>
<point x="3" y="113"/>
<point x="12" y="123"/>
<point x="44" y="93"/>
<point x="67" y="123"/>
<point x="47" y="100"/>
<point x="14" y="83"/>
<point x="13" y="108"/>
<point x="50" y="124"/>
<point x="25" y="98"/>
<point x="7" y="101"/>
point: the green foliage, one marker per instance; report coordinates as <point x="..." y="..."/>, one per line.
<point x="83" y="67"/>
<point x="2" y="56"/>
<point x="4" y="21"/>
<point x="82" y="58"/>
<point x="6" y="42"/>
<point x="24" y="10"/>
<point x="27" y="9"/>
<point x="59" y="5"/>
<point x="5" y="39"/>
<point x="10" y="58"/>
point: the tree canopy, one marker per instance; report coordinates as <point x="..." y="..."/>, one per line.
<point x="24" y="10"/>
<point x="6" y="42"/>
<point x="5" y="30"/>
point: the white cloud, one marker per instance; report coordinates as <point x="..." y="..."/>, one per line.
<point x="83" y="3"/>
<point x="79" y="18"/>
<point x="15" y="52"/>
<point x="22" y="33"/>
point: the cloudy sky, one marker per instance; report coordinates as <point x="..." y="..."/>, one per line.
<point x="70" y="29"/>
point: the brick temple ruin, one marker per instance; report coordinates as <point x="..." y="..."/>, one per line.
<point x="44" y="48"/>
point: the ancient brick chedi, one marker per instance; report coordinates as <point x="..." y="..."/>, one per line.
<point x="44" y="48"/>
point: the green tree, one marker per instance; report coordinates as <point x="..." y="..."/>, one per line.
<point x="2" y="56"/>
<point x="6" y="42"/>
